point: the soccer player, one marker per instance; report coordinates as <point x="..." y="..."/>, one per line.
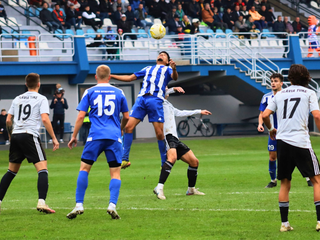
<point x="106" y="103"/>
<point x="23" y="123"/>
<point x="276" y="86"/>
<point x="177" y="149"/>
<point x="149" y="101"/>
<point x="293" y="106"/>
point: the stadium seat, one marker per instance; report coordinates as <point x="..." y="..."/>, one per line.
<point x="102" y="32"/>
<point x="148" y="20"/>
<point x="210" y="31"/>
<point x="43" y="45"/>
<point x="90" y="33"/>
<point x="254" y="43"/>
<point x="68" y="129"/>
<point x="133" y="31"/>
<point x="2" y="22"/>
<point x="79" y="32"/>
<point x="62" y="10"/>
<point x="264" y="43"/>
<point x="69" y="31"/>
<point x="266" y="33"/>
<point x="26" y="34"/>
<point x="21" y="44"/>
<point x="314" y="4"/>
<point x="37" y="11"/>
<point x="221" y="33"/>
<point x="13" y="3"/>
<point x="302" y="43"/>
<point x="107" y="22"/>
<point x="273" y="43"/>
<point x="6" y="32"/>
<point x="138" y="44"/>
<point x="58" y="33"/>
<point x="228" y="31"/>
<point x="29" y="12"/>
<point x="128" y="44"/>
<point x="13" y="21"/>
<point x="201" y="30"/>
<point x="142" y="33"/>
<point x="50" y="9"/>
<point x="24" y="3"/>
<point x="157" y="21"/>
<point x="235" y="43"/>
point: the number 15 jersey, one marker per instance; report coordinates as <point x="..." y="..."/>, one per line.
<point x="106" y="103"/>
<point x="27" y="109"/>
<point x="293" y="106"/>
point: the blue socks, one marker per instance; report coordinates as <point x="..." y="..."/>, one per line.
<point x="272" y="169"/>
<point x="163" y="152"/>
<point x="114" y="188"/>
<point x="82" y="184"/>
<point x="128" y="138"/>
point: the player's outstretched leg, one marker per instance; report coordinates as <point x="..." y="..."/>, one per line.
<point x="165" y="171"/>
<point x="42" y="191"/>
<point x="128" y="138"/>
<point x="114" y="188"/>
<point x="5" y="183"/>
<point x="82" y="184"/>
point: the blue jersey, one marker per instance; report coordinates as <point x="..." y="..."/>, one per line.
<point x="106" y="103"/>
<point x="155" y="80"/>
<point x="263" y="105"/>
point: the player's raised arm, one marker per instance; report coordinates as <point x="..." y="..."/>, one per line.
<point x="77" y="126"/>
<point x="47" y="124"/>
<point x="124" y="78"/>
<point x="174" y="74"/>
<point x="260" y="126"/>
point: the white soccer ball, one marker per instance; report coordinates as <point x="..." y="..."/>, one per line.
<point x="157" y="31"/>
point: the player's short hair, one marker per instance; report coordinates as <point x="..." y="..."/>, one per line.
<point x="167" y="56"/>
<point x="32" y="80"/>
<point x="103" y="72"/>
<point x="277" y="75"/>
<point x="299" y="75"/>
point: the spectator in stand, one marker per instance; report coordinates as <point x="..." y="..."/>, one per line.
<point x="180" y="11"/>
<point x="131" y="17"/>
<point x="105" y="9"/>
<point x="250" y="24"/>
<point x="269" y="17"/>
<point x="164" y="9"/>
<point x="219" y="4"/>
<point x="58" y="104"/>
<point x="280" y="26"/>
<point x="202" y="5"/>
<point x="244" y="12"/>
<point x="171" y="14"/>
<point x="126" y="27"/>
<point x="111" y="43"/>
<point x="241" y="25"/>
<point x="75" y="3"/>
<point x="186" y="24"/>
<point x="123" y="5"/>
<point x="194" y="10"/>
<point x="73" y="17"/>
<point x="3" y="127"/>
<point x="289" y="28"/>
<point x="83" y="4"/>
<point x="59" y="18"/>
<point x="47" y="19"/>
<point x="154" y="9"/>
<point x="207" y="18"/>
<point x="117" y="15"/>
<point x="89" y="18"/>
<point x="195" y="26"/>
<point x="298" y="26"/>
<point x="172" y="4"/>
<point x="228" y="4"/>
<point x="240" y="3"/>
<point x="227" y="18"/>
<point x="236" y="13"/>
<point x="141" y="14"/>
<point x="267" y="4"/>
<point x="3" y="13"/>
<point x="259" y="20"/>
<point x="257" y="5"/>
<point x="217" y="18"/>
<point x="36" y="3"/>
<point x="98" y="42"/>
<point x="172" y="24"/>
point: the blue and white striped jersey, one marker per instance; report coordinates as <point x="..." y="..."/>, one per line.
<point x="266" y="99"/>
<point x="155" y="80"/>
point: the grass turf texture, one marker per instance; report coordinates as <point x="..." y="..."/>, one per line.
<point x="233" y="173"/>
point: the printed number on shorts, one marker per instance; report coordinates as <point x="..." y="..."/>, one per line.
<point x="107" y="102"/>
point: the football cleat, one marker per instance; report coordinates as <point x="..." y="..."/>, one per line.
<point x="271" y="185"/>
<point x="113" y="213"/>
<point x="194" y="191"/>
<point x="159" y="193"/>
<point x="309" y="183"/>
<point x="318" y="227"/>
<point x="44" y="208"/>
<point x="125" y="164"/>
<point x="286" y="229"/>
<point x="76" y="211"/>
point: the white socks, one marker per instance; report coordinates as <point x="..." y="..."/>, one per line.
<point x="41" y="202"/>
<point x="112" y="206"/>
<point x="79" y="205"/>
<point x="286" y="224"/>
<point x="160" y="186"/>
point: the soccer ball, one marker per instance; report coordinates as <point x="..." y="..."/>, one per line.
<point x="157" y="31"/>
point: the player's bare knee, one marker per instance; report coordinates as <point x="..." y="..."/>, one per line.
<point x="129" y="128"/>
<point x="194" y="162"/>
<point x="160" y="135"/>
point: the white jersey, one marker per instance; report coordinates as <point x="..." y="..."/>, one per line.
<point x="293" y="106"/>
<point x="27" y="109"/>
<point x="170" y="112"/>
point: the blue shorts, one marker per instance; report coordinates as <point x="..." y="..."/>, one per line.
<point x="272" y="145"/>
<point x="314" y="45"/>
<point x="148" y="105"/>
<point x="111" y="148"/>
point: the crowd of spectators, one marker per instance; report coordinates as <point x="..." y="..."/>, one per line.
<point x="237" y="15"/>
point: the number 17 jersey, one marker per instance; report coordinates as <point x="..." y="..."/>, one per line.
<point x="106" y="103"/>
<point x="293" y="106"/>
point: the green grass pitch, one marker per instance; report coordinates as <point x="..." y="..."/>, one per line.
<point x="233" y="173"/>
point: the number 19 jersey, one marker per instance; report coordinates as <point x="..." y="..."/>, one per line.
<point x="106" y="103"/>
<point x="293" y="106"/>
<point x="27" y="109"/>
